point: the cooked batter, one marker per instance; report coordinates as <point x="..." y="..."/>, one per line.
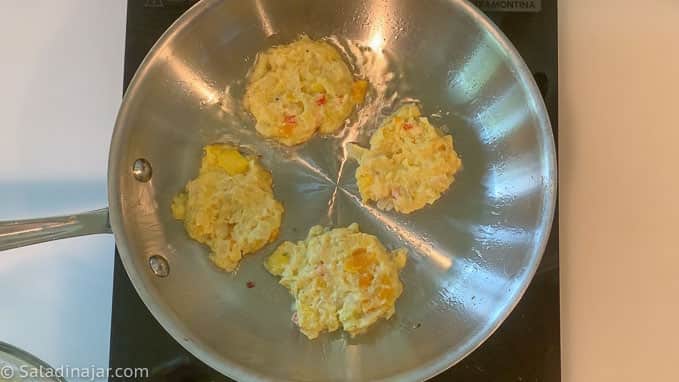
<point x="409" y="164"/>
<point x="230" y="206"/>
<point x="339" y="278"/>
<point x="296" y="89"/>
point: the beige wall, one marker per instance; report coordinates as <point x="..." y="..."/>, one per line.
<point x="619" y="136"/>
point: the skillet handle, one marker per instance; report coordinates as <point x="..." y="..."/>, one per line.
<point x="20" y="233"/>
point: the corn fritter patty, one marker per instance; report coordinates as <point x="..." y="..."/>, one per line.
<point x="409" y="164"/>
<point x="230" y="206"/>
<point x="340" y="278"/>
<point x="297" y="89"/>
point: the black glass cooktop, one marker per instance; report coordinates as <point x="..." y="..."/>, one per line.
<point x="527" y="345"/>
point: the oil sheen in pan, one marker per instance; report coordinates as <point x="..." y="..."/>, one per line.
<point x="315" y="181"/>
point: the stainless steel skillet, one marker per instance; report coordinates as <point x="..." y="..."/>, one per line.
<point x="472" y="253"/>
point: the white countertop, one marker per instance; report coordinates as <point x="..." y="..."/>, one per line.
<point x="62" y="67"/>
<point x="619" y="75"/>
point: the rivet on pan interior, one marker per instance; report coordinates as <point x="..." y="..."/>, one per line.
<point x="141" y="169"/>
<point x="159" y="266"/>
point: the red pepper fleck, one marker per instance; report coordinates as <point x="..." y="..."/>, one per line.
<point x="321" y="101"/>
<point x="396" y="192"/>
<point x="250" y="284"/>
<point x="407" y="126"/>
<point x="290" y="119"/>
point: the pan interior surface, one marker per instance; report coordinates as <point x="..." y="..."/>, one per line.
<point x="472" y="253"/>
